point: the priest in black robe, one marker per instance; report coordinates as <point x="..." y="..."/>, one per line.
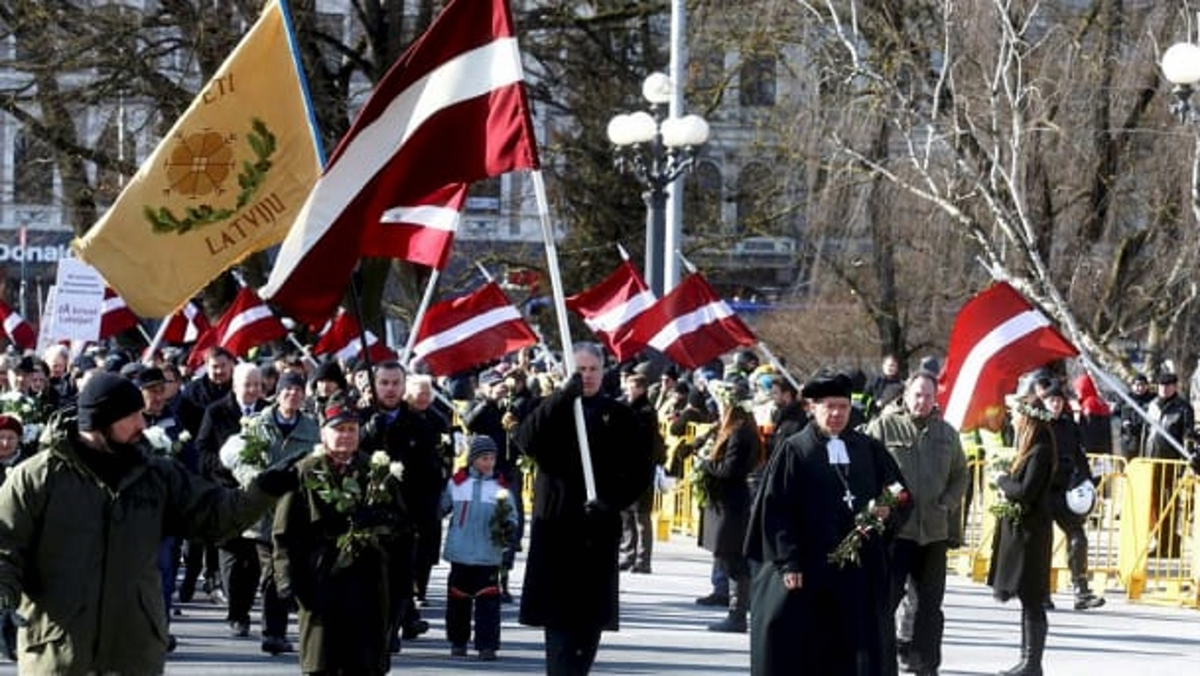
<point x="813" y="616"/>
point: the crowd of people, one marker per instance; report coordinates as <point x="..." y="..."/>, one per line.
<point x="323" y="489"/>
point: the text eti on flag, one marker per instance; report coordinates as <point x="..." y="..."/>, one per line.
<point x="227" y="180"/>
<point x="451" y="110"/>
<point x="997" y="337"/>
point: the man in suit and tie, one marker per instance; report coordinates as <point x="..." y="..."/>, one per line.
<point x="238" y="555"/>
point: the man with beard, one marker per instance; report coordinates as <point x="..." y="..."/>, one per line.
<point x="392" y="427"/>
<point x="811" y="615"/>
<point x="80" y="526"/>
<point x="571" y="576"/>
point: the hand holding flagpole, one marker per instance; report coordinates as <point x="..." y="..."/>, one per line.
<point x="560" y="310"/>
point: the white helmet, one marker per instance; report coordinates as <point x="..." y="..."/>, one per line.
<point x="1081" y="498"/>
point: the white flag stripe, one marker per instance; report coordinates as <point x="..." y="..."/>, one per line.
<point x="244" y="319"/>
<point x="689" y="323"/>
<point x="11" y="322"/>
<point x="352" y="348"/>
<point x="614" y="318"/>
<point x="112" y="304"/>
<point x="468" y="75"/>
<point x="460" y="332"/>
<point x="429" y="216"/>
<point x="1012" y="330"/>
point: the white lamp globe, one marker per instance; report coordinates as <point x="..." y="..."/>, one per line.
<point x="1181" y="64"/>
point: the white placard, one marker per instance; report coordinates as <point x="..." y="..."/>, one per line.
<point x="46" y="330"/>
<point x="78" y="302"/>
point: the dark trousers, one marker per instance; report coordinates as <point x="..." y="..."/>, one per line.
<point x="637" y="535"/>
<point x="516" y="479"/>
<point x="922" y="570"/>
<point x="425" y="555"/>
<point x="168" y="566"/>
<point x="198" y="556"/>
<point x="274" y="610"/>
<point x="239" y="575"/>
<point x="571" y="652"/>
<point x="1077" y="543"/>
<point x="477" y="586"/>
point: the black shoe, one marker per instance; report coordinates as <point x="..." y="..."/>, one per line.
<point x="414" y="629"/>
<point x="394" y="645"/>
<point x="277" y="645"/>
<point x="1048" y="604"/>
<point x="625" y="565"/>
<point x="487" y="655"/>
<point x="172" y="643"/>
<point x="458" y="651"/>
<point x="713" y="600"/>
<point x="641" y="568"/>
<point x="730" y="625"/>
<point x="506" y="597"/>
<point x="1088" y="601"/>
<point x="239" y="628"/>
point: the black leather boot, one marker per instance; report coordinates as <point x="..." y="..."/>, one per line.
<point x="735" y="621"/>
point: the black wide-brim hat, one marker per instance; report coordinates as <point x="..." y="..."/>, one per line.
<point x="827" y="385"/>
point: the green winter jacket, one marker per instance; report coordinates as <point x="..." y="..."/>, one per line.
<point x="81" y="557"/>
<point x="935" y="472"/>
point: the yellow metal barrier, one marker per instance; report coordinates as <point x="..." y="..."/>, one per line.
<point x="1158" y="558"/>
<point x="1102" y="528"/>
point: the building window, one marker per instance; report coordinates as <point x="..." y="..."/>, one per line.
<point x="702" y="201"/>
<point x="753" y="199"/>
<point x="757" y="81"/>
<point x="33" y="170"/>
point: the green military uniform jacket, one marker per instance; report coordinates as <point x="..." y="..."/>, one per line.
<point x="81" y="556"/>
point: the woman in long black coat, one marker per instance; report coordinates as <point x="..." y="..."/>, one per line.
<point x="1022" y="545"/>
<point x="727" y="511"/>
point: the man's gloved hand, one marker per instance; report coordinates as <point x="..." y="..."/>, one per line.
<point x="280" y="478"/>
<point x="573" y="387"/>
<point x="596" y="508"/>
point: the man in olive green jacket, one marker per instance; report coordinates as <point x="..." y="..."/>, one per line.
<point x="931" y="458"/>
<point x="80" y="526"/>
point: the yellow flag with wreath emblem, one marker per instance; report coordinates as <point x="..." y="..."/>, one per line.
<point x="227" y="181"/>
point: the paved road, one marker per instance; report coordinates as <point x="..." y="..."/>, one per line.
<point x="663" y="633"/>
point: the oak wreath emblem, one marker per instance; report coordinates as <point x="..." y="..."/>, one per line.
<point x="200" y="164"/>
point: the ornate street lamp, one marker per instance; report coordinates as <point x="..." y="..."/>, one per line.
<point x="656" y="150"/>
<point x="1181" y="67"/>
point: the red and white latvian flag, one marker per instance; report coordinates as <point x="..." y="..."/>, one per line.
<point x="419" y="233"/>
<point x="997" y="337"/>
<point x="117" y="317"/>
<point x="452" y="110"/>
<point x="609" y="308"/>
<point x="185" y="325"/>
<point x="342" y="340"/>
<point x="470" y="330"/>
<point x="16" y="329"/>
<point x="692" y="325"/>
<point x="247" y="324"/>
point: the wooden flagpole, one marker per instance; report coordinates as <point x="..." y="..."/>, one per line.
<point x="426" y="300"/>
<point x="560" y="310"/>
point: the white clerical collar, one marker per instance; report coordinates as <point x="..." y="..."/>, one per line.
<point x="837" y="452"/>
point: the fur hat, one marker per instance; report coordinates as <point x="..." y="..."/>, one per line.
<point x="827" y="385"/>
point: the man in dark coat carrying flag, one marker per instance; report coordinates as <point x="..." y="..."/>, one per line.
<point x="813" y="615"/>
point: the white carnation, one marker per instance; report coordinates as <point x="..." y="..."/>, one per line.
<point x="397" y="469"/>
<point x="380" y="458"/>
<point x="502" y="494"/>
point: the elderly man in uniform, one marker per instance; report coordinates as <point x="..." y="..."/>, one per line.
<point x="80" y="527"/>
<point x="812" y="615"/>
<point x="931" y="457"/>
<point x="571" y="577"/>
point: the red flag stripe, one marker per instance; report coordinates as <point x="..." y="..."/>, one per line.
<point x="451" y="110"/>
<point x="115" y="317"/>
<point x="997" y="336"/>
<point x="691" y="325"/>
<point x="609" y="308"/>
<point x="18" y="331"/>
<point x="457" y="334"/>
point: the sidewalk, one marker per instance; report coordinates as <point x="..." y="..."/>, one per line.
<point x="663" y="633"/>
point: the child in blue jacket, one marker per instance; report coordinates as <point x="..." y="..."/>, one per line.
<point x="482" y="520"/>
